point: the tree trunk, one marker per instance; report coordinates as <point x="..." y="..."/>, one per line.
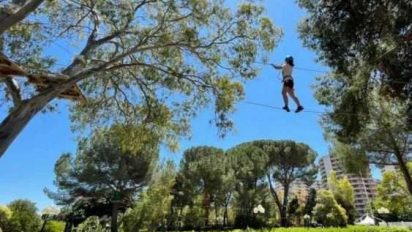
<point x="216" y="215"/>
<point x="43" y="226"/>
<point x="281" y="207"/>
<point x="283" y="213"/>
<point x="206" y="205"/>
<point x="19" y="117"/>
<point x="225" y="216"/>
<point x="68" y="227"/>
<point x="12" y="19"/>
<point x="404" y="169"/>
<point x="115" y="210"/>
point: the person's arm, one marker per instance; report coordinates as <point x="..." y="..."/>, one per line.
<point x="277" y="66"/>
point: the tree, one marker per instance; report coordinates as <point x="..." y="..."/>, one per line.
<point x="367" y="44"/>
<point x="202" y="169"/>
<point x="226" y="189"/>
<point x="249" y="164"/>
<point x="288" y="161"/>
<point x="392" y="194"/>
<point x="145" y="61"/>
<point x="152" y="209"/>
<point x="327" y="211"/>
<point x="10" y="19"/>
<point x="310" y="202"/>
<point x="343" y="193"/>
<point x="372" y="35"/>
<point x="104" y="173"/>
<point x="24" y="217"/>
<point x="5" y="215"/>
<point x="384" y="140"/>
<point x="293" y="208"/>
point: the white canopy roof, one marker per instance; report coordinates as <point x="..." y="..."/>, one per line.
<point x="366" y="220"/>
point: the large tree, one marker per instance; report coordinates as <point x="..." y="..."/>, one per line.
<point x="368" y="46"/>
<point x="5" y="214"/>
<point x="104" y="172"/>
<point x="150" y="61"/>
<point x="248" y="164"/>
<point x="288" y="161"/>
<point x="24" y="216"/>
<point x="392" y="194"/>
<point x="343" y="193"/>
<point x="349" y="35"/>
<point x="202" y="169"/>
<point x="152" y="208"/>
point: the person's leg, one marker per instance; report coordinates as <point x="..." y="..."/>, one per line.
<point x="291" y="93"/>
<point x="285" y="98"/>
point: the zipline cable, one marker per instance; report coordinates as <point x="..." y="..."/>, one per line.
<point x="298" y="68"/>
<point x="306" y="110"/>
<point x="278" y="108"/>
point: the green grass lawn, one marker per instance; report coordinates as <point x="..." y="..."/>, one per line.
<point x="347" y="229"/>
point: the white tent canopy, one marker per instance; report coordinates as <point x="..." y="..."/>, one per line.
<point x="366" y="220"/>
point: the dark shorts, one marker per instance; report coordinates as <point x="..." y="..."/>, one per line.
<point x="288" y="83"/>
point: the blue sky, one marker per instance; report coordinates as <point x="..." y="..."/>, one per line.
<point x="27" y="167"/>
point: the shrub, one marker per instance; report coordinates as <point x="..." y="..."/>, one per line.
<point x="91" y="224"/>
<point x="327" y="211"/>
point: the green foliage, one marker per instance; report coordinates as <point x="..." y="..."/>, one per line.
<point x="103" y="166"/>
<point x="104" y="176"/>
<point x="5" y="215"/>
<point x="348" y="35"/>
<point x="343" y="193"/>
<point x="204" y="176"/>
<point x="249" y="166"/>
<point x="24" y="217"/>
<point x="367" y="44"/>
<point x="392" y="194"/>
<point x="310" y="202"/>
<point x="287" y="161"/>
<point x="194" y="215"/>
<point x="91" y="224"/>
<point x="327" y="211"/>
<point x="354" y="160"/>
<point x="54" y="226"/>
<point x="286" y="154"/>
<point x="153" y="206"/>
<point x="157" y="62"/>
<point x="5" y="211"/>
<point x="293" y="206"/>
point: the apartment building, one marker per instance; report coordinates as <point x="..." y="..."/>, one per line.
<point x="364" y="187"/>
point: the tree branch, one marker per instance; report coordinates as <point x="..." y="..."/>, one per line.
<point x="22" y="13"/>
<point x="14" y="90"/>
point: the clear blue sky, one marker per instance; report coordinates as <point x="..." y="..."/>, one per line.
<point x="27" y="167"/>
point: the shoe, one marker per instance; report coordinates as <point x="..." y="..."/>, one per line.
<point x="300" y="108"/>
<point x="286" y="108"/>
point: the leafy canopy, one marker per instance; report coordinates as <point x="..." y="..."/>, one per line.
<point x="157" y="62"/>
<point x="102" y="172"/>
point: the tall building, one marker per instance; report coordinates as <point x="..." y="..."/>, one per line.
<point x="364" y="187"/>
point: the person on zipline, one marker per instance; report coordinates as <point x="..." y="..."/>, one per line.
<point x="288" y="84"/>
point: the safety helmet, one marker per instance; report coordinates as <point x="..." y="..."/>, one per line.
<point x="289" y="58"/>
